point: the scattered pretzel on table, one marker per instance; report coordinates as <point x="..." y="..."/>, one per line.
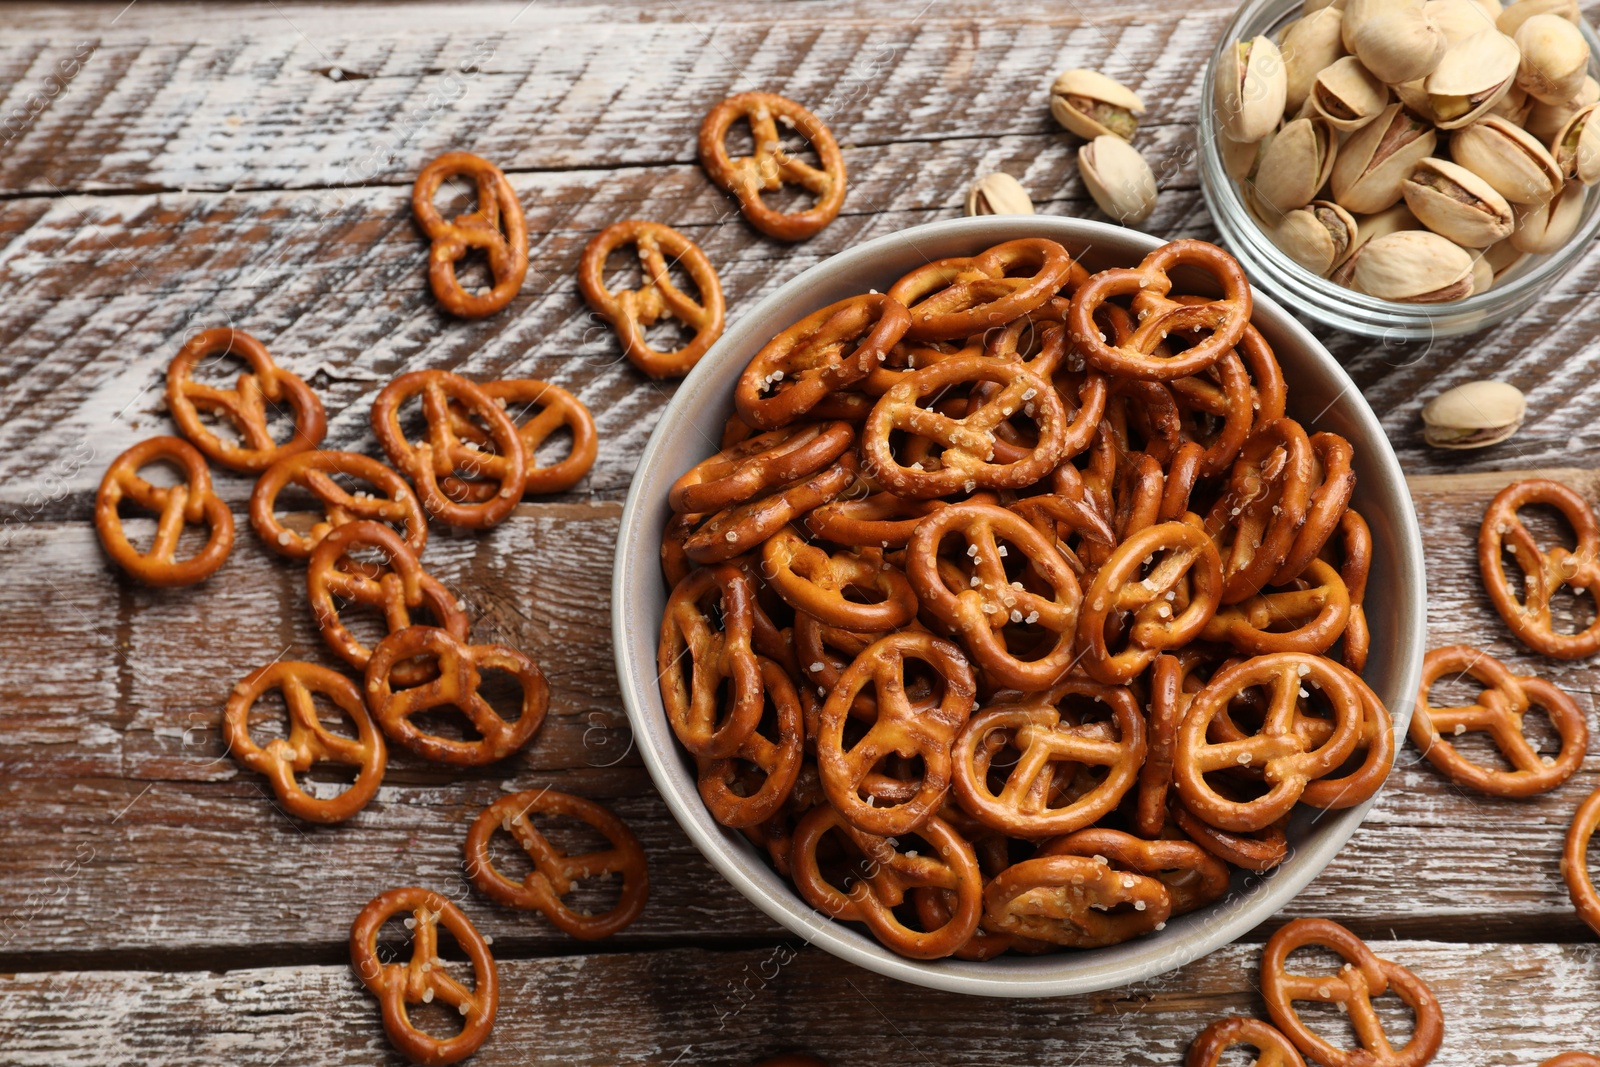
<point x="190" y="503"/>
<point x="538" y="409"/>
<point x="423" y="978"/>
<point x="1526" y="607"/>
<point x="315" y="472"/>
<point x="977" y="556"/>
<point x="1575" y="861"/>
<point x="308" y="742"/>
<point x="1497" y="711"/>
<point x="245" y="405"/>
<point x="1272" y="1048"/>
<point x="495" y="227"/>
<point x="631" y="311"/>
<point x="770" y="166"/>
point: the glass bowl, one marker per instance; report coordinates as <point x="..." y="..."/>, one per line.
<point x="1272" y="270"/>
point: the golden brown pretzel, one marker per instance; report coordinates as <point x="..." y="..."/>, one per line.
<point x="1572" y="1059"/>
<point x="1069" y="900"/>
<point x="553" y="408"/>
<point x="1307" y="614"/>
<point x="823" y="353"/>
<point x="444" y="454"/>
<point x="1355" y="564"/>
<point x="777" y="760"/>
<point x="1544" y="571"/>
<point x="307" y="741"/>
<point x="901" y="728"/>
<point x="814" y="581"/>
<point x="1259" y="851"/>
<point x="243" y="406"/>
<point x="956" y="298"/>
<point x="393" y="501"/>
<point x="1272" y="1048"/>
<point x="190" y="502"/>
<point x="556" y="873"/>
<point x="758" y="465"/>
<point x="1333" y="483"/>
<point x="1575" y="861"/>
<point x="460" y="668"/>
<point x="1375" y="747"/>
<point x="1050" y="746"/>
<point x="1497" y="711"/>
<point x="400" y="587"/>
<point x="631" y="311"/>
<point x="743" y="527"/>
<point x="423" y="978"/>
<point x="691" y="638"/>
<point x="506" y="249"/>
<point x="990" y="611"/>
<point x="1255" y="521"/>
<point x="770" y="167"/>
<point x="1353" y="988"/>
<point x="1193" y="877"/>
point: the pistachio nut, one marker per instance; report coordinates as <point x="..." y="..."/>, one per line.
<point x="1457" y="19"/>
<point x="1514" y="164"/>
<point x="1414" y="95"/>
<point x="1453" y="202"/>
<point x="1381" y="224"/>
<point x="1311" y="7"/>
<point x="1348" y="96"/>
<point x="1514" y="106"/>
<point x="1555" y="58"/>
<point x="1510" y="20"/>
<point x="1295" y="165"/>
<point x="1473" y="415"/>
<point x="1546" y="227"/>
<point x="1378" y="157"/>
<point x="1482" y="274"/>
<point x="1118" y="178"/>
<point x="1309" y="45"/>
<point x="1502" y="256"/>
<point x="1491" y="8"/>
<point x="1414" y="267"/>
<point x="1545" y="120"/>
<point x="1240" y="158"/>
<point x="1577" y="146"/>
<point x="1251" y="86"/>
<point x="1394" y="39"/>
<point x="1089" y="104"/>
<point x="1472" y="77"/>
<point x="998" y="194"/>
<point x="1319" y="236"/>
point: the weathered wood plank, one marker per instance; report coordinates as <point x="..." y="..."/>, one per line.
<point x="1514" y="1005"/>
<point x="111" y="746"/>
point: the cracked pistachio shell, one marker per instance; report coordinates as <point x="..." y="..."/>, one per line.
<point x="1394" y="39"/>
<point x="1414" y="95"/>
<point x="1473" y="415"/>
<point x="1555" y="58"/>
<point x="1510" y="159"/>
<point x="1414" y="267"/>
<point x="1453" y="202"/>
<point x="998" y="194"/>
<point x="1090" y="104"/>
<point x="1319" y="236"/>
<point x="1378" y="157"/>
<point x="1510" y="19"/>
<point x="1473" y="76"/>
<point x="1380" y="224"/>
<point x="1240" y="158"/>
<point x="1251" y="86"/>
<point x="1348" y="96"/>
<point x="1577" y="146"/>
<point x="1118" y="178"/>
<point x="1545" y="120"/>
<point x="1547" y="227"/>
<point x="1309" y="46"/>
<point x="1457" y="19"/>
<point x="1295" y="165"/>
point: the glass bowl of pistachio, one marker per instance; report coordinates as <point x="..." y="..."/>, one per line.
<point x="1404" y="169"/>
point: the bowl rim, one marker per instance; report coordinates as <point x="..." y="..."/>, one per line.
<point x="1074" y="973"/>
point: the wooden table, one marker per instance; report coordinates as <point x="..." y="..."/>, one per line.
<point x="186" y="167"/>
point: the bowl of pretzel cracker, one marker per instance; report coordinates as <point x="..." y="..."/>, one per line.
<point x="1019" y="606"/>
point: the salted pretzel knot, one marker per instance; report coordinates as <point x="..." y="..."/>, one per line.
<point x="1575" y="861"/>
<point x="423" y="978"/>
<point x="828" y="350"/>
<point x="189" y="503"/>
<point x="495" y="228"/>
<point x="771" y="166"/>
<point x="955" y="298"/>
<point x="307" y="742"/>
<point x="1363" y="977"/>
<point x="556" y="873"/>
<point x="1272" y="1048"/>
<point x="460" y="668"/>
<point x="388" y="500"/>
<point x="1544" y="570"/>
<point x="631" y="311"/>
<point x="1074" y="901"/>
<point x="552" y="408"/>
<point x="1148" y="284"/>
<point x="1497" y="711"/>
<point x="245" y="406"/>
<point x="706" y="634"/>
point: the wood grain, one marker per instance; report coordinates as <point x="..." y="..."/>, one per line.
<point x="716" y="1008"/>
